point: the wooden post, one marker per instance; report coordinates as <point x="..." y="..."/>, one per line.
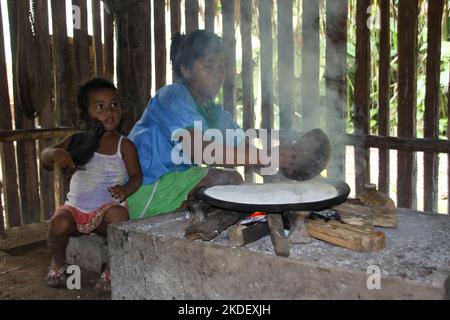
<point x="229" y="41"/>
<point x="362" y="93"/>
<point x="82" y="68"/>
<point x="175" y="23"/>
<point x="384" y="94"/>
<point x="265" y="30"/>
<point x="335" y="74"/>
<point x="310" y="107"/>
<point x="431" y="129"/>
<point x="407" y="99"/>
<point x="210" y="13"/>
<point x="7" y="152"/>
<point x="98" y="46"/>
<point x="159" y="11"/>
<point x="285" y="64"/>
<point x="134" y="67"/>
<point x="191" y="13"/>
<point x="109" y="44"/>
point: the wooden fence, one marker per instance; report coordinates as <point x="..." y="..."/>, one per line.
<point x="47" y="68"/>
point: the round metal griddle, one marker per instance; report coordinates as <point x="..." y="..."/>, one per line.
<point x="341" y="187"/>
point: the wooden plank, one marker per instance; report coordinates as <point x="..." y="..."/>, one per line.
<point x="210" y="13"/>
<point x="384" y="94"/>
<point x="7" y="151"/>
<point x="97" y="37"/>
<point x="2" y="212"/>
<point x="108" y="49"/>
<point x="160" y="42"/>
<point x="310" y="65"/>
<point x="23" y="88"/>
<point x="35" y="134"/>
<point x="279" y="240"/>
<point x="285" y="64"/>
<point x="347" y="236"/>
<point x="431" y="128"/>
<point x="229" y="42"/>
<point x="362" y="92"/>
<point x="82" y="68"/>
<point x="265" y="31"/>
<point x="407" y="99"/>
<point x="335" y="82"/>
<point x="175" y="16"/>
<point x="191" y="15"/>
<point x="241" y="235"/>
<point x="134" y="66"/>
<point x="24" y="235"/>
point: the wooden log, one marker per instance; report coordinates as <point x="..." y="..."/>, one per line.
<point x="431" y="128"/>
<point x="347" y="236"/>
<point x="265" y="30"/>
<point x="213" y="225"/>
<point x="279" y="240"/>
<point x="210" y="14"/>
<point x="229" y="42"/>
<point x="108" y="50"/>
<point x="247" y="71"/>
<point x="7" y="151"/>
<point x="82" y="67"/>
<point x="335" y="82"/>
<point x="310" y="65"/>
<point x="362" y="93"/>
<point x="98" y="46"/>
<point x="24" y="235"/>
<point x="191" y="14"/>
<point x="355" y="215"/>
<point x="285" y="64"/>
<point x="241" y="235"/>
<point x="384" y="94"/>
<point x="407" y="99"/>
<point x="160" y="42"/>
<point x="134" y="67"/>
<point x="35" y="134"/>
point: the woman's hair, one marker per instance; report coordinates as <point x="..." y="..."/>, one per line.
<point x="185" y="49"/>
<point x="83" y="145"/>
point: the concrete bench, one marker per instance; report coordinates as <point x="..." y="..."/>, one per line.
<point x="89" y="252"/>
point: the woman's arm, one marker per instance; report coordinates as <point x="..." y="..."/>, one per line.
<point x="134" y="171"/>
<point x="58" y="155"/>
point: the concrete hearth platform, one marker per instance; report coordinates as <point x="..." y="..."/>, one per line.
<point x="150" y="259"/>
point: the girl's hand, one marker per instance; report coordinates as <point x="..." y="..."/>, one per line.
<point x="118" y="192"/>
<point x="63" y="159"/>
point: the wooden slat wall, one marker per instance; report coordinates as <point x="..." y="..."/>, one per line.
<point x="7" y="152"/>
<point x="362" y="92"/>
<point x="175" y="16"/>
<point x="335" y="74"/>
<point x="310" y="65"/>
<point x="229" y="41"/>
<point x="384" y="94"/>
<point x="431" y="129"/>
<point x="160" y="42"/>
<point x="407" y="99"/>
<point x="191" y="14"/>
<point x="82" y="67"/>
<point x="98" y="46"/>
<point x="210" y="12"/>
<point x="265" y="34"/>
<point x="109" y="44"/>
<point x="286" y="64"/>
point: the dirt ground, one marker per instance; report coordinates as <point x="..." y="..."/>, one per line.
<point x="23" y="272"/>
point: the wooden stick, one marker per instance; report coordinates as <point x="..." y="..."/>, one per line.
<point x="241" y="235"/>
<point x="265" y="30"/>
<point x="35" y="134"/>
<point x="191" y="13"/>
<point x="160" y="42"/>
<point x="109" y="44"/>
<point x="98" y="46"/>
<point x="210" y="13"/>
<point x="279" y="240"/>
<point x="229" y="41"/>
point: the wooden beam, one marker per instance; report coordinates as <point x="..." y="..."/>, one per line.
<point x="407" y="99"/>
<point x="160" y="42"/>
<point x="24" y="235"/>
<point x="285" y="64"/>
<point x="98" y="46"/>
<point x="175" y="16"/>
<point x="82" y="67"/>
<point x="384" y="94"/>
<point x="265" y="31"/>
<point x="109" y="44"/>
<point x="310" y="110"/>
<point x="431" y="128"/>
<point x="210" y="14"/>
<point x="191" y="14"/>
<point x="229" y="41"/>
<point x="362" y="93"/>
<point x="35" y="134"/>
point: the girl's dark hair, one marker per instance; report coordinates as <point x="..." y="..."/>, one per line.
<point x="83" y="145"/>
<point x="185" y="49"/>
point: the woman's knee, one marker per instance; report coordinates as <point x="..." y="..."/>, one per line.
<point x="116" y="214"/>
<point x="61" y="225"/>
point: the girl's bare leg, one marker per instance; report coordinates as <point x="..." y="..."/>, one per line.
<point x="61" y="226"/>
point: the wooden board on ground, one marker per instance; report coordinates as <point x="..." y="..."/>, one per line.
<point x="347" y="236"/>
<point x="24" y="235"/>
<point x="241" y="235"/>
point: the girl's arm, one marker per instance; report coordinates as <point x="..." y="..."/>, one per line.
<point x="134" y="171"/>
<point x="58" y="155"/>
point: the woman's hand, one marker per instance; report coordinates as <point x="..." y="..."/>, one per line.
<point x="118" y="192"/>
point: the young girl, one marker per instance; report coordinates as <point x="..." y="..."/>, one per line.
<point x="106" y="171"/>
<point x="199" y="63"/>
